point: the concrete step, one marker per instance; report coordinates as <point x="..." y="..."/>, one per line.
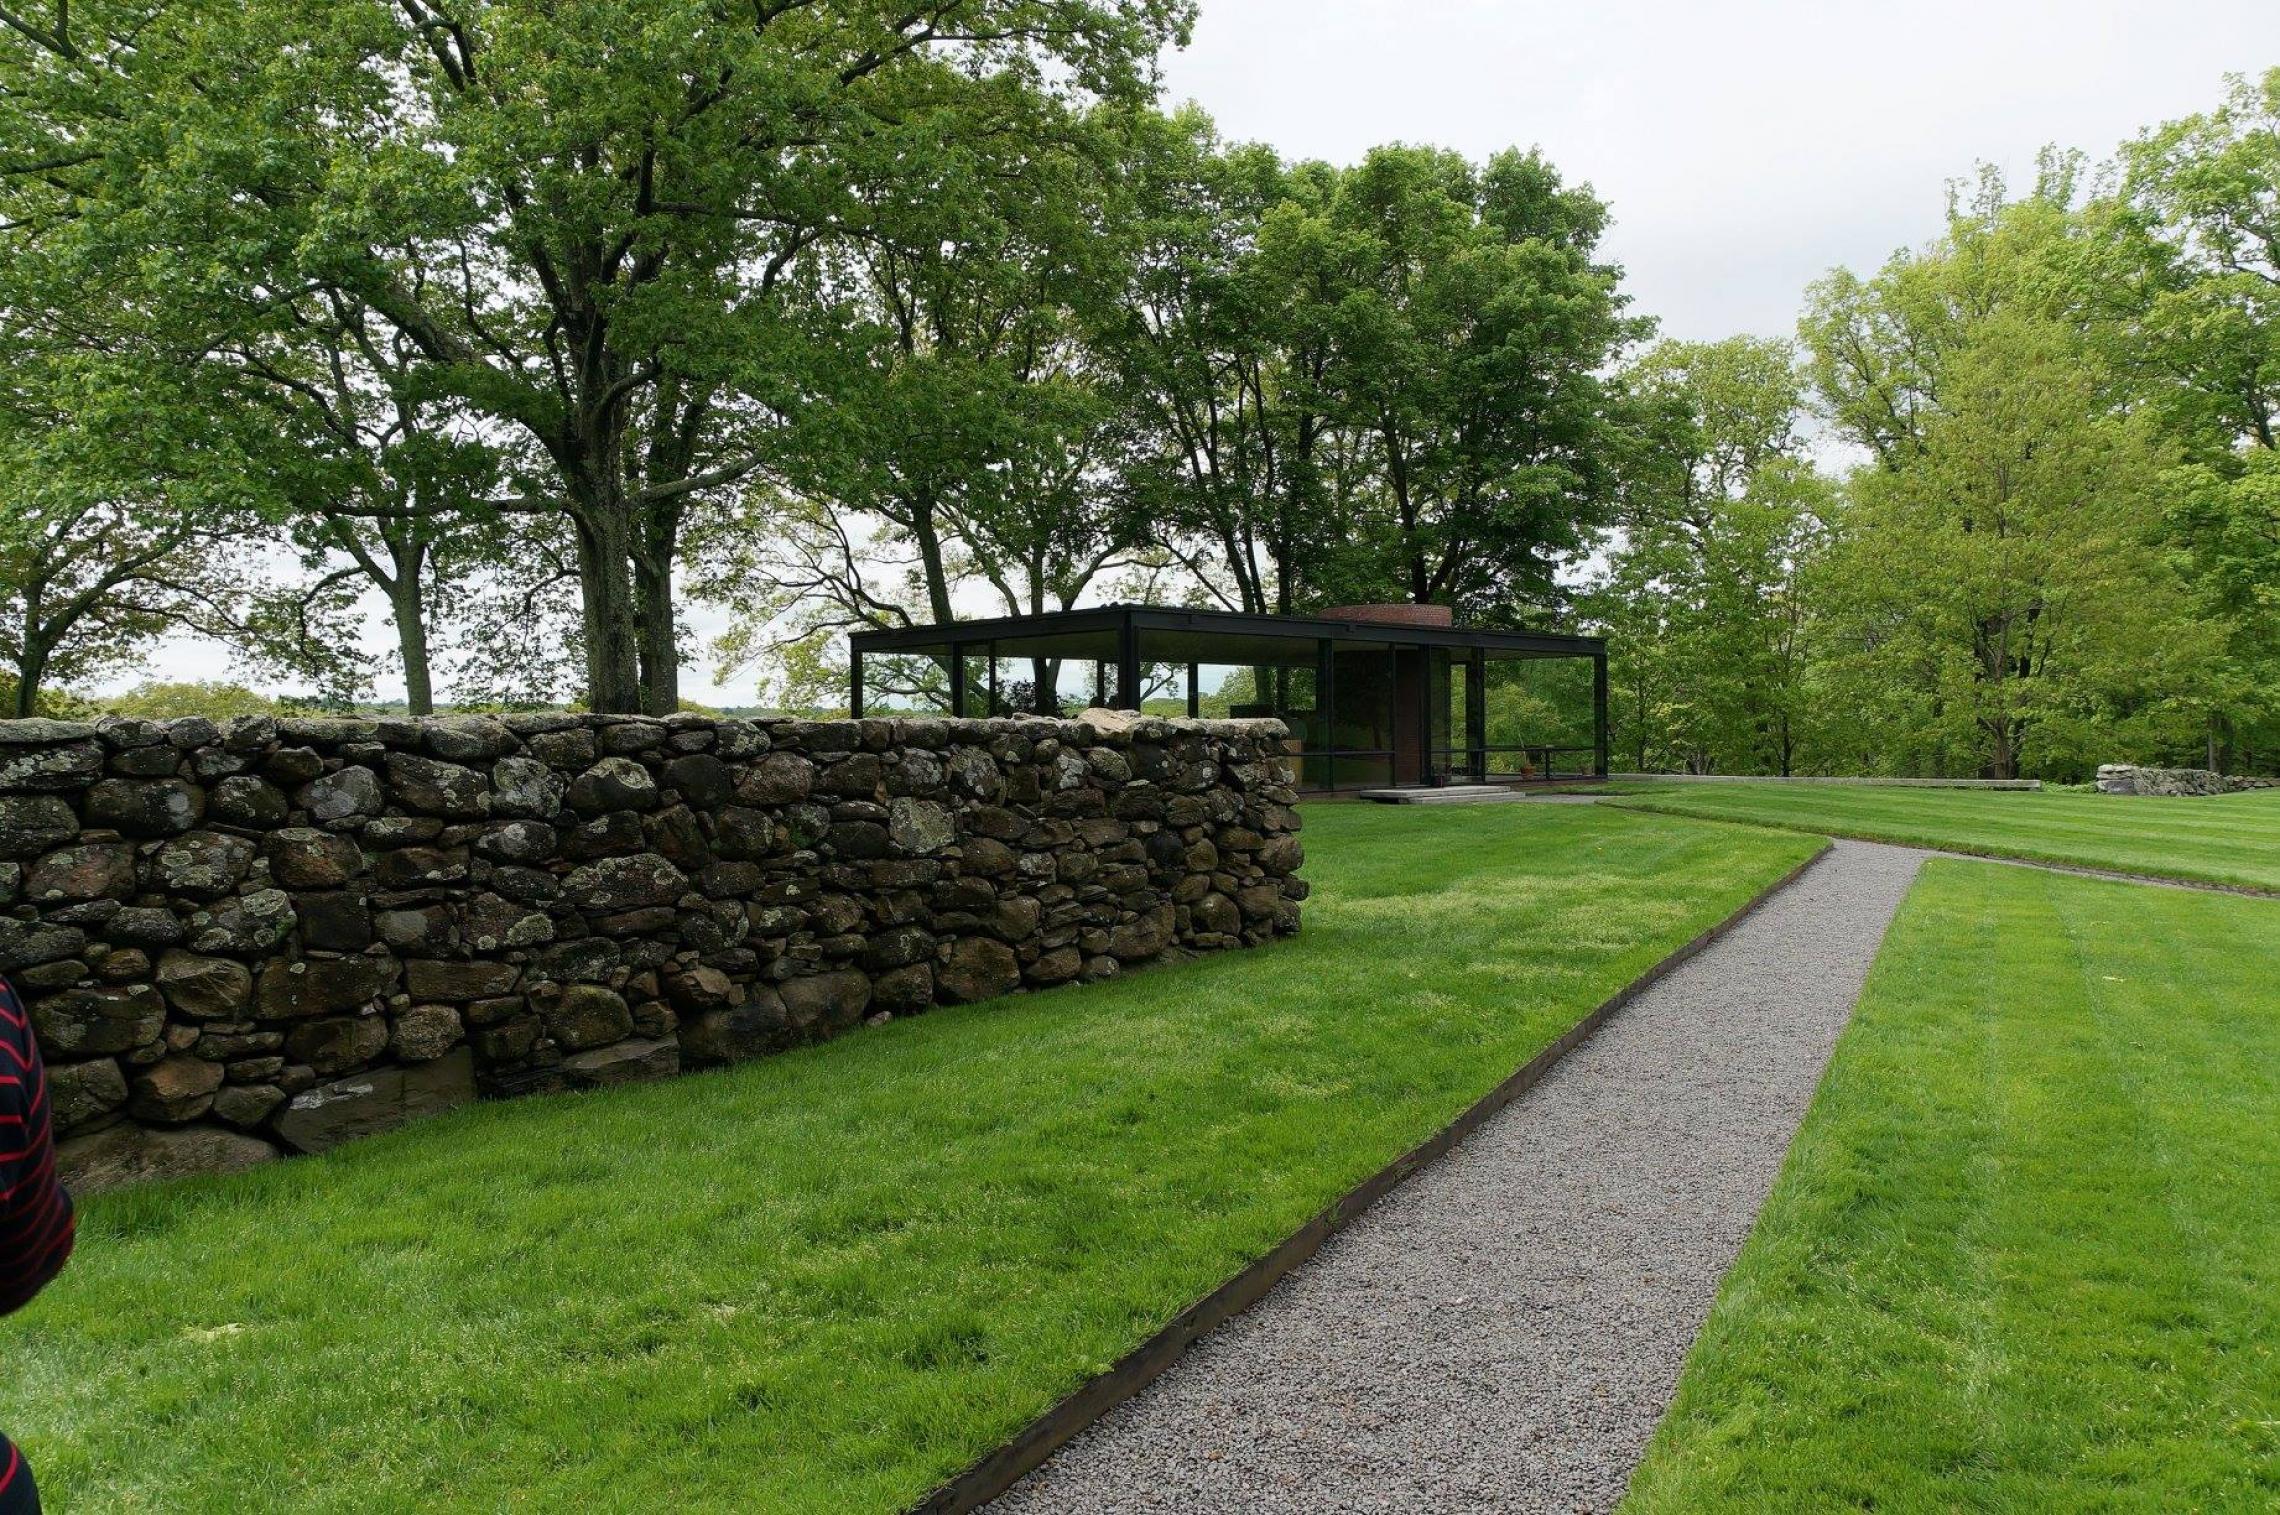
<point x="1452" y="794"/>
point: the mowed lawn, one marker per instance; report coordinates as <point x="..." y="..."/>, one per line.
<point x="2025" y="1254"/>
<point x="827" y="1281"/>
<point x="2229" y="839"/>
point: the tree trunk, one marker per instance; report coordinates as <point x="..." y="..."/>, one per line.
<point x="658" y="648"/>
<point x="411" y="642"/>
<point x="1640" y="729"/>
<point x="29" y="672"/>
<point x="1994" y="652"/>
<point x="407" y="603"/>
<point x="928" y="536"/>
<point x="659" y="645"/>
<point x="613" y="681"/>
<point x="2003" y="763"/>
<point x="31" y="665"/>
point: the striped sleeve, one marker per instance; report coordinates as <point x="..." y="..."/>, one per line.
<point x="35" y="1213"/>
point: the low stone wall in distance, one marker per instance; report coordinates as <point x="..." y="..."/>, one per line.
<point x="2126" y="778"/>
<point x="258" y="935"/>
<point x="1809" y="780"/>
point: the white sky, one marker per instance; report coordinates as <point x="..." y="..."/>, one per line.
<point x="1746" y="148"/>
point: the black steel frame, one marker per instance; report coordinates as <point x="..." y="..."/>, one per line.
<point x="1127" y="623"/>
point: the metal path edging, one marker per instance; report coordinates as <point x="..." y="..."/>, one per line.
<point x="1000" y="1470"/>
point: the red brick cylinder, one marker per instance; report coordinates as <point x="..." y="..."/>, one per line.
<point x="1430" y="617"/>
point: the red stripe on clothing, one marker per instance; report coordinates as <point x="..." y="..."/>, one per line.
<point x="37" y="1228"/>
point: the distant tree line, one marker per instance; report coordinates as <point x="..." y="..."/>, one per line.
<point x="2061" y="545"/>
<point x="542" y="325"/>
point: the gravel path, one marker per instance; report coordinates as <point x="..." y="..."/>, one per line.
<point x="1504" y="1330"/>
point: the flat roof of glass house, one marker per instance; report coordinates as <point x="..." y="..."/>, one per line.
<point x="1176" y="635"/>
<point x="1395" y="694"/>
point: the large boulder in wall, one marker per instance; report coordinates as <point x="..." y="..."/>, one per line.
<point x="379" y="1099"/>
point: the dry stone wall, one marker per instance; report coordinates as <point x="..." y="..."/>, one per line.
<point x="2126" y="778"/>
<point x="259" y="935"/>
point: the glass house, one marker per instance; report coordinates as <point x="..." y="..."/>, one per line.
<point x="1375" y="696"/>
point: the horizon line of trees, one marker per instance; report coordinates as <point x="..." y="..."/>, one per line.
<point x="538" y="324"/>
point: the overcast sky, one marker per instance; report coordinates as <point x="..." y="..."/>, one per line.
<point x="1745" y="148"/>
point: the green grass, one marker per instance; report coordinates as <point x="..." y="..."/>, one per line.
<point x="2232" y="839"/>
<point x="2025" y="1252"/>
<point x="826" y="1281"/>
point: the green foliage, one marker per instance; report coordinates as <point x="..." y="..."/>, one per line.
<point x="2022" y="1254"/>
<point x="1214" y="360"/>
<point x="2224" y="522"/>
<point x="214" y="699"/>
<point x="1136" y="350"/>
<point x="2062" y="550"/>
<point x="2196" y="234"/>
<point x="1531" y="703"/>
<point x="1996" y="597"/>
<point x="593" y="237"/>
<point x="1705" y="598"/>
<point x="529" y="320"/>
<point x="1469" y="327"/>
<point x="1370" y="383"/>
<point x="962" y="431"/>
<point x="1993" y="582"/>
<point x="51" y="702"/>
<point x="126" y="517"/>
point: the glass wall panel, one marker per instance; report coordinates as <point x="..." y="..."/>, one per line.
<point x="1466" y="762"/>
<point x="1539" y="717"/>
<point x="1164" y="689"/>
<point x="1359" y="713"/>
<point x="1441" y="763"/>
<point x="905" y="683"/>
<point x="1364" y="721"/>
<point x="1285" y="691"/>
<point x="1221" y="687"/>
<point x="974" y="667"/>
<point x="1040" y="686"/>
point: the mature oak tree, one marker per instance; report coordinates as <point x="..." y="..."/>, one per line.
<point x="1705" y="595"/>
<point x="2192" y="286"/>
<point x="1996" y="587"/>
<point x="1218" y="372"/>
<point x="1472" y="336"/>
<point x="591" y="224"/>
<point x="123" y="519"/>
